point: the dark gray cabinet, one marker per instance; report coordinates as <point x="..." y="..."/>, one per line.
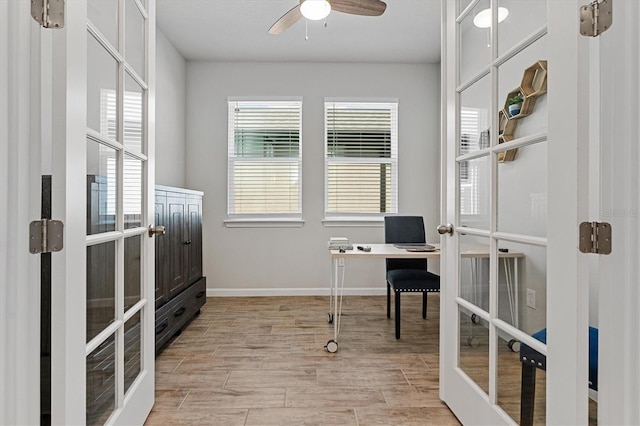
<point x="180" y="286"/>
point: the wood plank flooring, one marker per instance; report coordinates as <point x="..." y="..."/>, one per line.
<point x="261" y="361"/>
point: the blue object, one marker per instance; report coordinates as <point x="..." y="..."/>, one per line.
<point x="532" y="360"/>
<point x="540" y="360"/>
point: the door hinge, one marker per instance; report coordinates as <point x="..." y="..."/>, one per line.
<point x="45" y="236"/>
<point x="595" y="237"/>
<point x="595" y="18"/>
<point x="48" y="13"/>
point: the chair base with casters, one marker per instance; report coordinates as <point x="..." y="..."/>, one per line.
<point x="532" y="360"/>
<point x="400" y="281"/>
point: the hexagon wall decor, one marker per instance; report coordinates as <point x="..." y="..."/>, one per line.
<point x="533" y="85"/>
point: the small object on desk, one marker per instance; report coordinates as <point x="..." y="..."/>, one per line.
<point x="341" y="250"/>
<point x="503" y="250"/>
<point x="339" y="243"/>
<point x="415" y="247"/>
<point x="364" y="248"/>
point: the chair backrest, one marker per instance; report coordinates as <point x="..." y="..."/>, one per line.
<point x="404" y="229"/>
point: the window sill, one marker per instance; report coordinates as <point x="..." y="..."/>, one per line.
<point x="264" y="223"/>
<point x="360" y="222"/>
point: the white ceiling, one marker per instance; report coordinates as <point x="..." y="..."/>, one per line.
<point x="236" y="30"/>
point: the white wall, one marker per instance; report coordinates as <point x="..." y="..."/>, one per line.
<point x="295" y="260"/>
<point x="171" y="88"/>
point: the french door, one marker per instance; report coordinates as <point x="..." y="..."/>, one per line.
<point x="513" y="86"/>
<point x="102" y="297"/>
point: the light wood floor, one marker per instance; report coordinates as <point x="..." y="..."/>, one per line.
<point x="260" y="361"/>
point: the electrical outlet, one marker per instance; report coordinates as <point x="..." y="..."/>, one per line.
<point x="341" y="261"/>
<point x="531" y="298"/>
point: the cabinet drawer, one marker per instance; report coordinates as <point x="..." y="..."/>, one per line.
<point x="162" y="329"/>
<point x="175" y="314"/>
<point x="188" y="303"/>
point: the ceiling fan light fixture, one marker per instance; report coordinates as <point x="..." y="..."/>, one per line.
<point x="483" y="18"/>
<point x="315" y="10"/>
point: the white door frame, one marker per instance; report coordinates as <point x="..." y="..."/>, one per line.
<point x="568" y="197"/>
<point x="68" y="270"/>
<point x="619" y="294"/>
<point x="19" y="204"/>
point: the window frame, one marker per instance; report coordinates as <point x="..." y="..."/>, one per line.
<point x="362" y="218"/>
<point x="259" y="220"/>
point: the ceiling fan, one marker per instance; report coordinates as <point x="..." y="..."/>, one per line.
<point x="319" y="9"/>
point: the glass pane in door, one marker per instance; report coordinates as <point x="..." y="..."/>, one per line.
<point x="132" y="192"/>
<point x="132" y="349"/>
<point x="523" y="18"/>
<point x="101" y="382"/>
<point x="522" y="285"/>
<point x="101" y="283"/>
<point x="103" y="14"/>
<point x="133" y="112"/>
<point x="475" y="43"/>
<point x="522" y="192"/>
<point x="523" y="76"/>
<point x="474" y="348"/>
<point x="101" y="188"/>
<point x="474" y="270"/>
<point x="475" y="116"/>
<point x="134" y="38"/>
<point x="132" y="271"/>
<point x="521" y="386"/>
<point x="102" y="80"/>
<point x="474" y="192"/>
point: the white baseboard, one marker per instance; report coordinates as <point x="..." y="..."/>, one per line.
<point x="321" y="291"/>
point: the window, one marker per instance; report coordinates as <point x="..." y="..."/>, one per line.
<point x="473" y="136"/>
<point x="132" y="167"/>
<point x="265" y="161"/>
<point x="361" y="159"/>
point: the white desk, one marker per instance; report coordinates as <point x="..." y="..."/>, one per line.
<point x="388" y="251"/>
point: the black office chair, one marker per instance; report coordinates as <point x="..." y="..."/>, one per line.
<point x="407" y="275"/>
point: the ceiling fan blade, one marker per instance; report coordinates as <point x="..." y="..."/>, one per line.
<point x="287" y="20"/>
<point x="359" y="7"/>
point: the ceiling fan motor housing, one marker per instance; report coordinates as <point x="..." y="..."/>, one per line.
<point x="315" y="9"/>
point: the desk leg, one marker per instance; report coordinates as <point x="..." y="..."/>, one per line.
<point x="332" y="345"/>
<point x="527" y="394"/>
<point x="510" y="289"/>
<point x="516" y="276"/>
<point x="473" y="295"/>
<point x="336" y="322"/>
<point x="512" y="280"/>
<point x="334" y="264"/>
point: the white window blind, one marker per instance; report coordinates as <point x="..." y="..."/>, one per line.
<point x="473" y="136"/>
<point x="264" y="159"/>
<point x="361" y="158"/>
<point x="132" y="168"/>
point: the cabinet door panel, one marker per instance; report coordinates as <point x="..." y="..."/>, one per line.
<point x="177" y="256"/>
<point x="194" y="238"/>
<point x="161" y="248"/>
